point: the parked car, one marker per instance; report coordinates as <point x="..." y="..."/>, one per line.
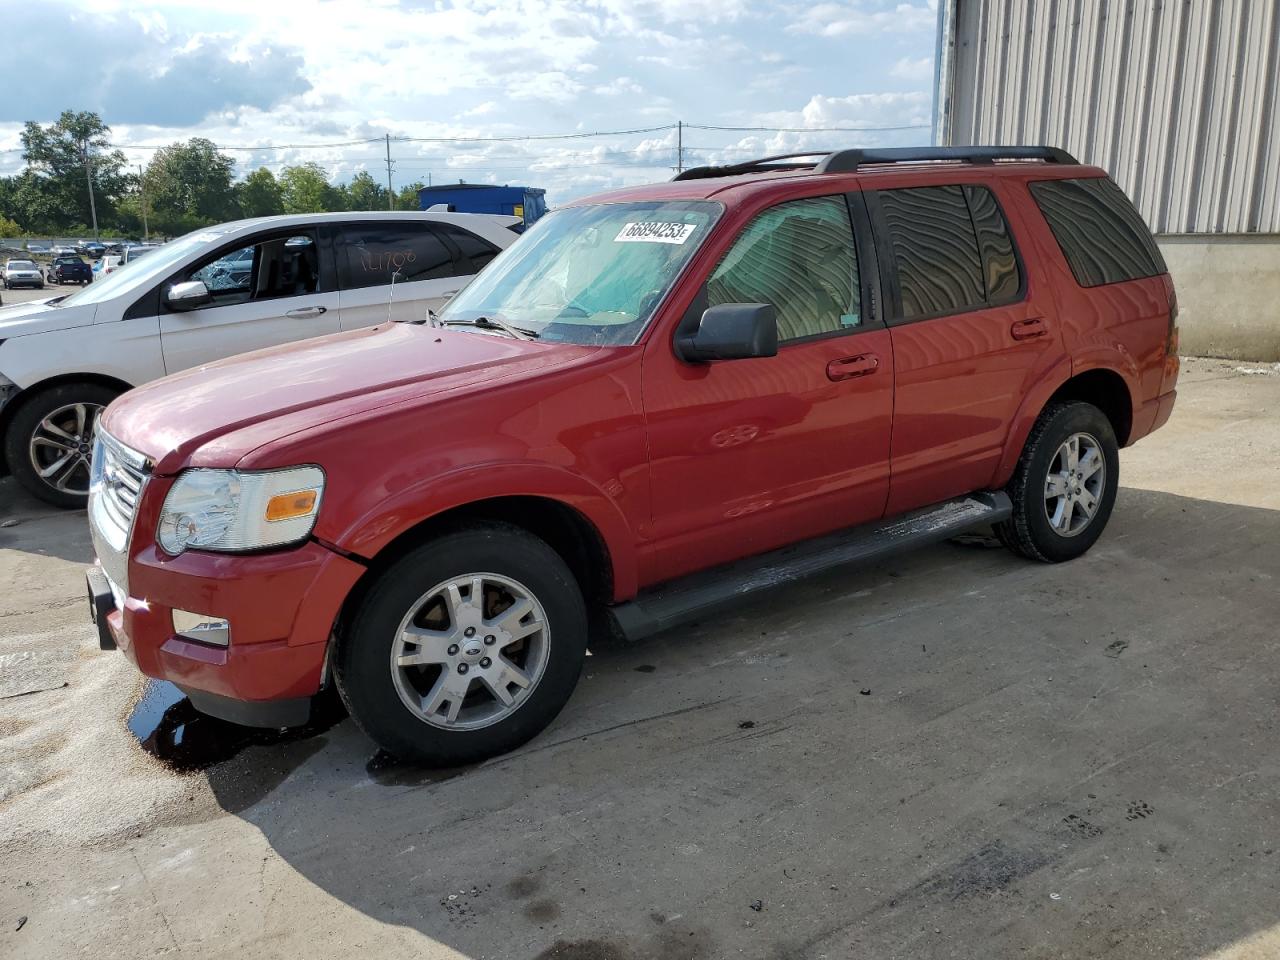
<point x="61" y="362"/>
<point x="93" y="249"/>
<point x="35" y="247"/>
<point x="22" y="273"/>
<point x="136" y="252"/>
<point x="107" y="263"/>
<point x="62" y="250"/>
<point x="69" y="270"/>
<point x="659" y="401"/>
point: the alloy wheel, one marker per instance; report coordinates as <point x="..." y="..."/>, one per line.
<point x="470" y="651"/>
<point x="61" y="448"/>
<point x="1075" y="483"/>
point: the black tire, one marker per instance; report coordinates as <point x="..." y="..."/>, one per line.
<point x="1029" y="532"/>
<point x="17" y="440"/>
<point x="362" y="665"/>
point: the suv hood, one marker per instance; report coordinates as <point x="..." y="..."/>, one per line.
<point x="38" y="316"/>
<point x="229" y="408"/>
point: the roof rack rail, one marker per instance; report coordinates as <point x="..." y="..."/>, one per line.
<point x="847" y="161"/>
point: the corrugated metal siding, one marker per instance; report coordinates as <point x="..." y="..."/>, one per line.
<point x="1178" y="100"/>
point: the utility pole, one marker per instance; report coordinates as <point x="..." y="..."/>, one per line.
<point x="88" y="179"/>
<point x="391" y="197"/>
<point x="142" y="185"/>
<point x="679" y="146"/>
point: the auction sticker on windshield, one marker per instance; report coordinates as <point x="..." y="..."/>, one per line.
<point x="655" y="232"/>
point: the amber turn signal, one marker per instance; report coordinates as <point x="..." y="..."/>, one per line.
<point x="287" y="506"/>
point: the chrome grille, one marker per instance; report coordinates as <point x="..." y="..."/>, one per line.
<point x="118" y="478"/>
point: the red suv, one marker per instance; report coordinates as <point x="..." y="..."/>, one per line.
<point x="657" y="401"/>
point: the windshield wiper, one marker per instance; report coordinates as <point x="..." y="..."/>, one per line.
<point x="493" y="323"/>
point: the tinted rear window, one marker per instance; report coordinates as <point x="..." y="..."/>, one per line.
<point x="935" y="250"/>
<point x="369" y="254"/>
<point x="1102" y="236"/>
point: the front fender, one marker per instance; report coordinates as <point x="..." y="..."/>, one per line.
<point x="368" y="534"/>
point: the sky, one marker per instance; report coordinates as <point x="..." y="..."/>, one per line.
<point x="310" y="78"/>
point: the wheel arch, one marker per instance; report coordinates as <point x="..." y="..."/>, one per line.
<point x="568" y="532"/>
<point x="1104" y="387"/>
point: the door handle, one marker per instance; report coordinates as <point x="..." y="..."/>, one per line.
<point x="304" y="312"/>
<point x="847" y="368"/>
<point x="1029" y="329"/>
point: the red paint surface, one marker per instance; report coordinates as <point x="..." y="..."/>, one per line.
<point x="676" y="466"/>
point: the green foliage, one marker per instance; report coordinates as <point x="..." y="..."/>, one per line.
<point x="305" y="189"/>
<point x="259" y="194"/>
<point x="188" y="185"/>
<point x="407" y="198"/>
<point x="365" y="193"/>
<point x="52" y="194"/>
<point x="9" y="229"/>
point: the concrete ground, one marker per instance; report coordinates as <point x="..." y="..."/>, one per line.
<point x="955" y="754"/>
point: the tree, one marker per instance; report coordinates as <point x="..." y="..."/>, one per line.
<point x="304" y="188"/>
<point x="259" y="195"/>
<point x="57" y="192"/>
<point x="407" y="198"/>
<point x="9" y="229"/>
<point x="365" y="193"/>
<point x="188" y="185"/>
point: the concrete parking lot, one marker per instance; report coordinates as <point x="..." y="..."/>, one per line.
<point x="954" y="754"/>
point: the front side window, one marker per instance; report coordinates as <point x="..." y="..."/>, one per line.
<point x="280" y="266"/>
<point x="935" y="250"/>
<point x="1102" y="236"/>
<point x="371" y="254"/>
<point x="590" y="274"/>
<point x="800" y="257"/>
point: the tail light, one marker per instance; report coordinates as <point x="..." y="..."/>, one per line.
<point x="1171" y="343"/>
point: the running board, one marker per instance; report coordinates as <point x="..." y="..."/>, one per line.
<point x="696" y="595"/>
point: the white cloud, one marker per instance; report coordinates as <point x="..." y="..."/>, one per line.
<point x="913" y="68"/>
<point x="847" y="19"/>
<point x="619" y="86"/>
<point x="480" y="109"/>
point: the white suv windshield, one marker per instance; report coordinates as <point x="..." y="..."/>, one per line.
<point x="158" y="262"/>
<point x="591" y="274"/>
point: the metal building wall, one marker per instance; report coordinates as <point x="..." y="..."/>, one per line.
<point x="1177" y="99"/>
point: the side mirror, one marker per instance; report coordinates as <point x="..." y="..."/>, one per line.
<point x="188" y="296"/>
<point x="732" y="331"/>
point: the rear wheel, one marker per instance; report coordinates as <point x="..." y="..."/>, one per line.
<point x="1065" y="484"/>
<point x="49" y="443"/>
<point x="464" y="648"/>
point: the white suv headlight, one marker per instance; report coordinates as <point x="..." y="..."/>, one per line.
<point x="234" y="510"/>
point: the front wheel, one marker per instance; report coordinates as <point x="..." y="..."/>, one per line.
<point x="464" y="648"/>
<point x="49" y="443"/>
<point x="1064" y="487"/>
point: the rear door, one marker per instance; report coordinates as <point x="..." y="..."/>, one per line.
<point x="422" y="257"/>
<point x="747" y="455"/>
<point x="286" y="294"/>
<point x="970" y="331"/>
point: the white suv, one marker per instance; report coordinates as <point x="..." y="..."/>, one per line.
<point x="217" y="292"/>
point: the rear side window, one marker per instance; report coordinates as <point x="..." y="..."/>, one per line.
<point x="1102" y="236"/>
<point x="800" y="257"/>
<point x="476" y="253"/>
<point x="935" y="250"/>
<point x="1000" y="270"/>
<point x="369" y="254"/>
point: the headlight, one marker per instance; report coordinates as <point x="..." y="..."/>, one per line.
<point x="233" y="510"/>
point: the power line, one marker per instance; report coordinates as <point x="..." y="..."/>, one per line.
<point x="909" y="126"/>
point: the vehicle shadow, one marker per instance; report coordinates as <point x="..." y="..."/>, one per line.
<point x="956" y="753"/>
<point x="29" y="526"/>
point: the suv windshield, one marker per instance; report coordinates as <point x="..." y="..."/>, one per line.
<point x="591" y="274"/>
<point x="159" y="262"/>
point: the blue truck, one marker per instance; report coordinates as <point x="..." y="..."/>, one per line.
<point x="529" y="203"/>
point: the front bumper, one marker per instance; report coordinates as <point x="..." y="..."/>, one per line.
<point x="26" y="282"/>
<point x="281" y="606"/>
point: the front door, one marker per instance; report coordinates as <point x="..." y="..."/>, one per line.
<point x="747" y="455"/>
<point x="269" y="291"/>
